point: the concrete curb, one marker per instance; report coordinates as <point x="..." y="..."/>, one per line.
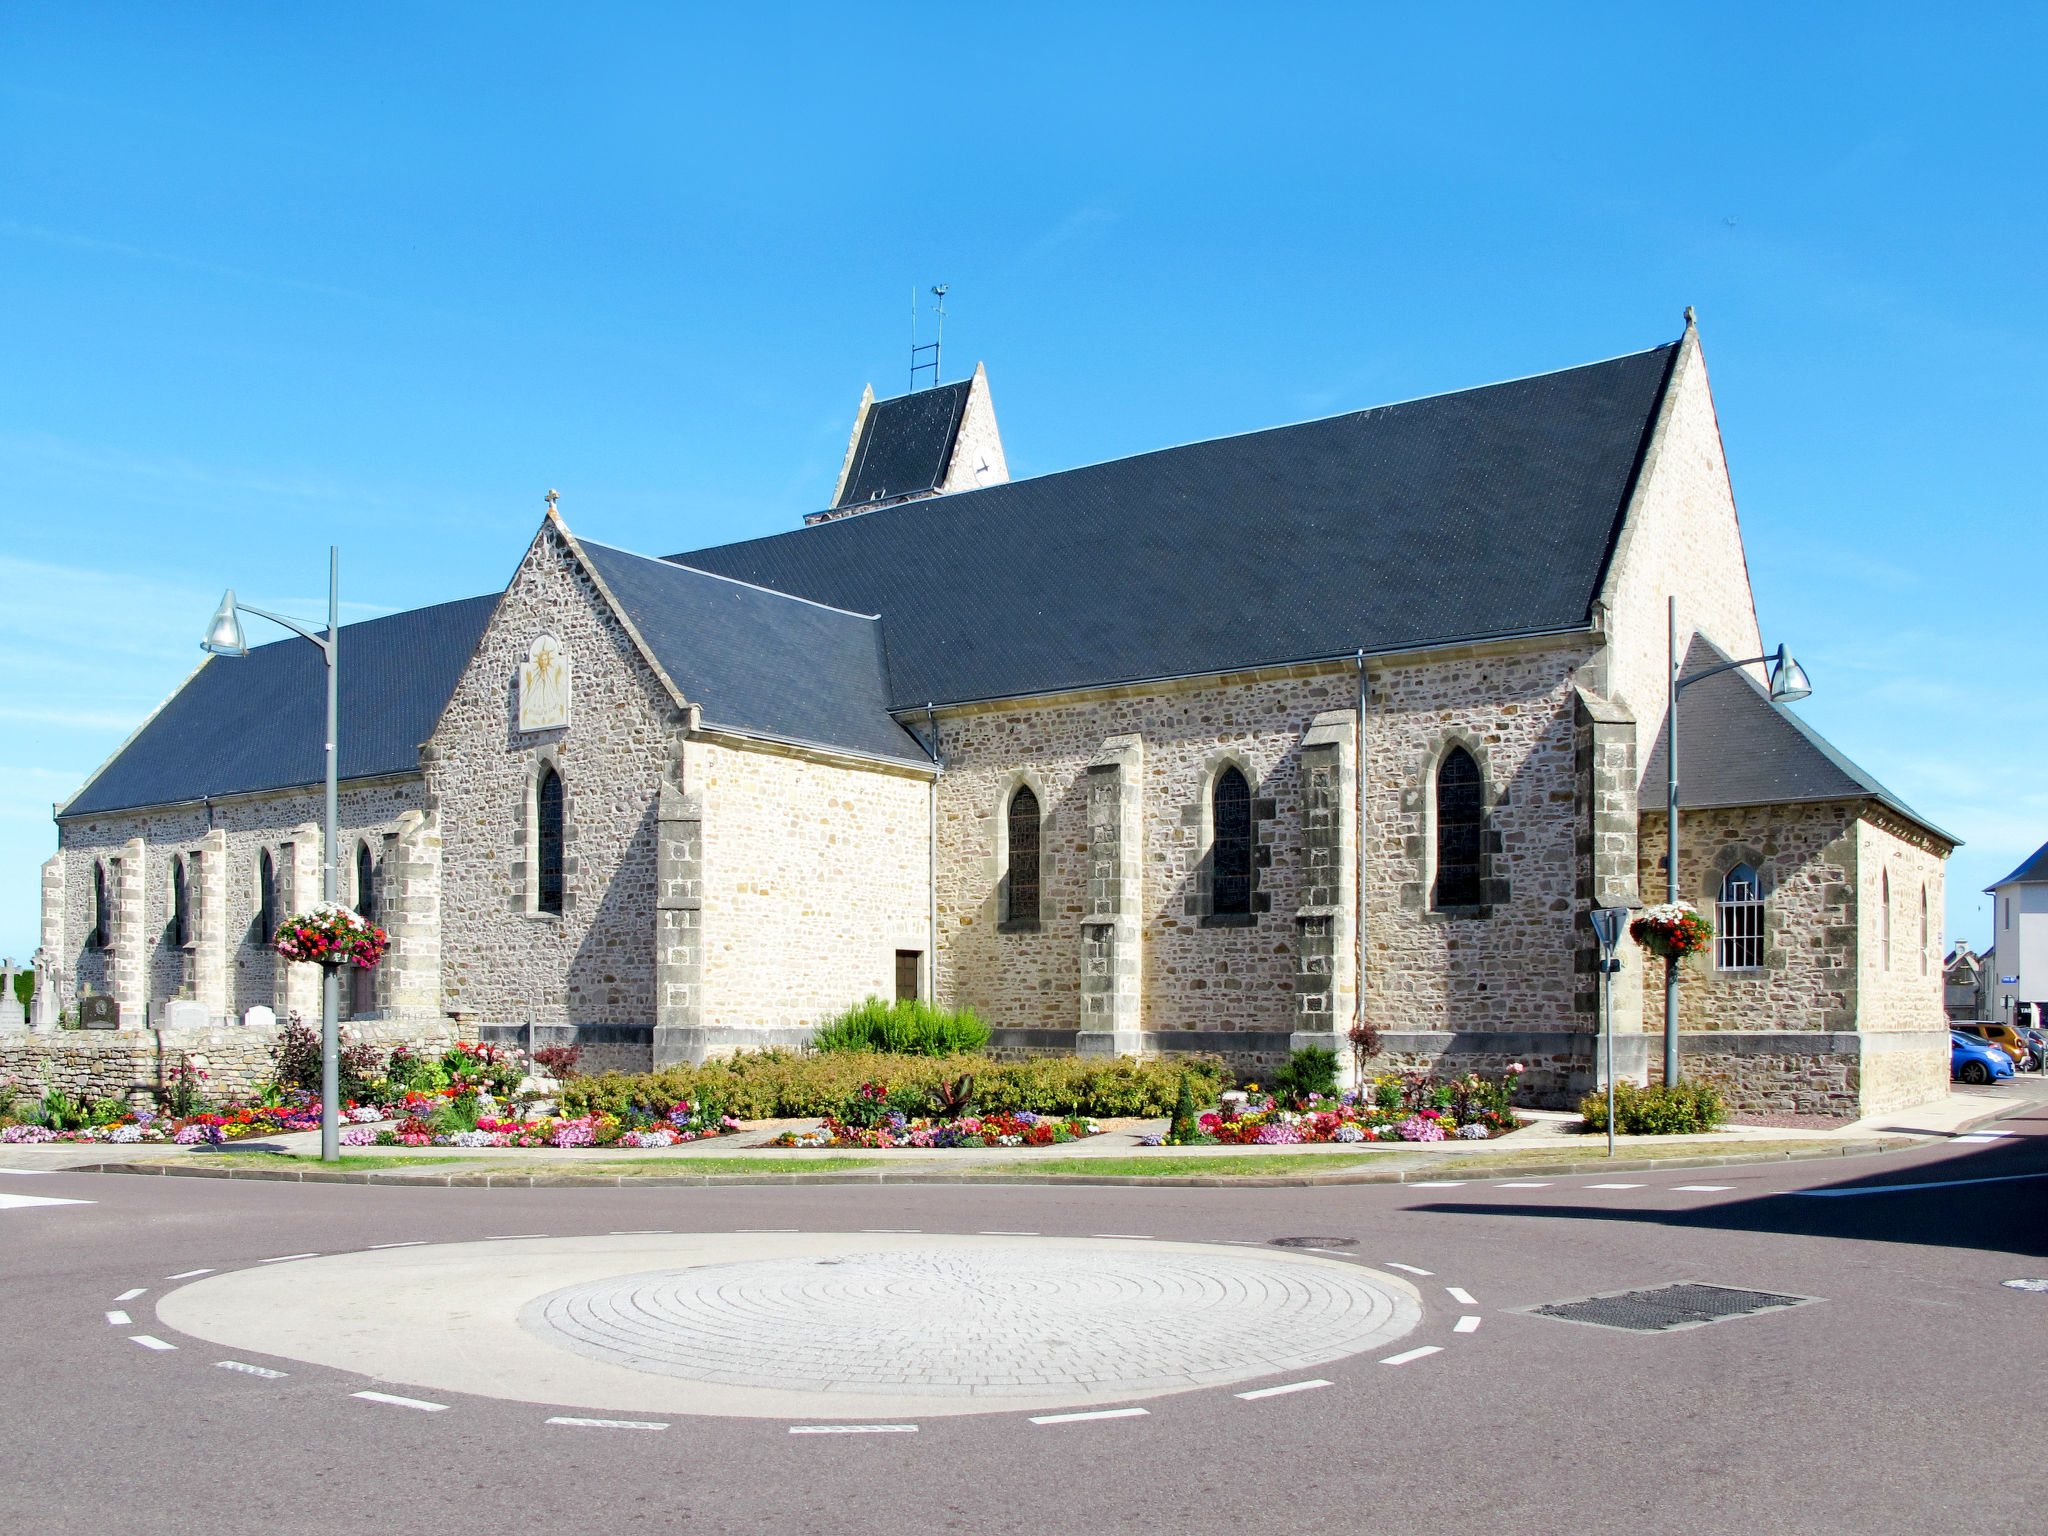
<point x="398" y="1178"/>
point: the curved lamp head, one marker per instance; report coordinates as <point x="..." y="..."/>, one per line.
<point x="224" y="634"/>
<point x="1788" y="679"/>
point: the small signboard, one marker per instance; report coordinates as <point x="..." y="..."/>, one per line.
<point x="99" y="1012"/>
<point x="2008" y="981"/>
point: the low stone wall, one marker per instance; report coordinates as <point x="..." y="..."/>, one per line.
<point x="133" y="1065"/>
<point x="1561" y="1067"/>
<point x="599" y="1047"/>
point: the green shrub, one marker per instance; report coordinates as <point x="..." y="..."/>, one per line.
<point x="1659" y="1110"/>
<point x="1309" y="1070"/>
<point x="774" y="1084"/>
<point x="909" y="1027"/>
<point x="1186" y="1128"/>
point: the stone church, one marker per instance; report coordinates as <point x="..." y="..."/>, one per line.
<point x="1224" y="747"/>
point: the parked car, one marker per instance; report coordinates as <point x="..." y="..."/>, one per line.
<point x="2008" y="1039"/>
<point x="1976" y="1061"/>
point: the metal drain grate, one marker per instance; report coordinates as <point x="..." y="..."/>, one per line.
<point x="1312" y="1242"/>
<point x="1668" y="1308"/>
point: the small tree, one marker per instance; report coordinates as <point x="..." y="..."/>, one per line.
<point x="1184" y="1128"/>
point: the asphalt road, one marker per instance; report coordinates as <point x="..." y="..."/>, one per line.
<point x="1900" y="1401"/>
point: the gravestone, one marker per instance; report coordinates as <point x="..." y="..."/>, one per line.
<point x="98" y="1012"/>
<point x="260" y="1017"/>
<point x="184" y="1013"/>
<point x="11" y="1016"/>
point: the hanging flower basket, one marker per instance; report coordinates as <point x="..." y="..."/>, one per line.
<point x="1673" y="930"/>
<point x="331" y="934"/>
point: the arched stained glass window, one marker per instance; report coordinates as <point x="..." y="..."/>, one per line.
<point x="1459" y="807"/>
<point x="1230" y="863"/>
<point x="1740" y="919"/>
<point x="266" y="898"/>
<point x="181" y="903"/>
<point x="548" y="797"/>
<point x="366" y="881"/>
<point x="1024" y="847"/>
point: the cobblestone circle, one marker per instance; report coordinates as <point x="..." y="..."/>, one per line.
<point x="995" y="1322"/>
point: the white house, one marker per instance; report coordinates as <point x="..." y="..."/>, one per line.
<point x="2017" y="972"/>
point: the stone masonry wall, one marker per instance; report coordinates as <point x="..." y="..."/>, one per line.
<point x="237" y="830"/>
<point x="593" y="963"/>
<point x="814" y="876"/>
<point x="1902" y="982"/>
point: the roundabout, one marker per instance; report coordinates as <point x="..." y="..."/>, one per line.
<point x="770" y="1324"/>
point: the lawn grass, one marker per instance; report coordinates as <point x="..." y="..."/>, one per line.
<point x="358" y="1162"/>
<point x="1594" y="1149"/>
<point x="670" y="1167"/>
<point x="1170" y="1166"/>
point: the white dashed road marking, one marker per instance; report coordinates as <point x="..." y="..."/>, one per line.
<point x="140" y="1290"/>
<point x="1030" y="1234"/>
<point x="1614" y="1186"/>
<point x="1410" y="1268"/>
<point x="855" y="1429"/>
<point x="150" y="1341"/>
<point x="1413" y="1354"/>
<point x="415" y="1242"/>
<point x="252" y="1370"/>
<point x="513" y="1237"/>
<point x="1985" y="1136"/>
<point x="1522" y="1186"/>
<point x="401" y="1402"/>
<point x="1147" y="1237"/>
<point x="28" y="1173"/>
<point x="188" y="1274"/>
<point x="642" y="1232"/>
<point x="1459" y="1294"/>
<point x="286" y="1258"/>
<point x="1894" y="1189"/>
<point x="1292" y="1386"/>
<point x="610" y="1423"/>
<point x="1101" y="1413"/>
<point x="919" y="1229"/>
<point x="16" y="1202"/>
<point x="1702" y="1189"/>
<point x="1466" y="1325"/>
<point x="119" y="1319"/>
<point x="792" y="1229"/>
<point x="1438" y="1184"/>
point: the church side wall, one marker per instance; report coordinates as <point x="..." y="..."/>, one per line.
<point x="814" y="876"/>
<point x="1682" y="536"/>
<point x="593" y="963"/>
<point x="1431" y="976"/>
<point x="238" y="830"/>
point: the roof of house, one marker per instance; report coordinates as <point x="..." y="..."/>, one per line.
<point x="258" y="722"/>
<point x="1737" y="747"/>
<point x="756" y="660"/>
<point x="2032" y="871"/>
<point x="905" y="444"/>
<point x="1488" y="512"/>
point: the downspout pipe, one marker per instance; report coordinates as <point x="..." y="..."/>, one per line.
<point x="932" y="883"/>
<point x="1358" y="920"/>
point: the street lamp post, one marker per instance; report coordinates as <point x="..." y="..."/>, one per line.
<point x="224" y="638"/>
<point x="1788" y="683"/>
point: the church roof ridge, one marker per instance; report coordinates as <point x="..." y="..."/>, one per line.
<point x="2033" y="870"/>
<point x="715" y="576"/>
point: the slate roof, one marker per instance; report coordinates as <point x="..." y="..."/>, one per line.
<point x="2033" y="872"/>
<point x="756" y="660"/>
<point x="1489" y="512"/>
<point x="258" y="722"/>
<point x="905" y="444"/>
<point x="1736" y="747"/>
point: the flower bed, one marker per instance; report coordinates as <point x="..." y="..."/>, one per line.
<point x="420" y="1127"/>
<point x="1467" y="1108"/>
<point x="1014" y="1128"/>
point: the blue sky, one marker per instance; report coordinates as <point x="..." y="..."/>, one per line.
<point x="280" y="274"/>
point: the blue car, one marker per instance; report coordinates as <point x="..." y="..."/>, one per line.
<point x="1976" y="1061"/>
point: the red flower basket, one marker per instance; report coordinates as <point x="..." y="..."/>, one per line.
<point x="331" y="934"/>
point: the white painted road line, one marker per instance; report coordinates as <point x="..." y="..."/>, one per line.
<point x="767" y="1229"/>
<point x="1101" y="1413"/>
<point x="1292" y="1386"/>
<point x="400" y="1402"/>
<point x="853" y="1429"/>
<point x="920" y="1229"/>
<point x="119" y="1319"/>
<point x="1438" y="1184"/>
<point x="1139" y="1237"/>
<point x="1613" y="1186"/>
<point x="252" y="1370"/>
<point x="1413" y="1354"/>
<point x="188" y="1274"/>
<point x="1408" y="1267"/>
<point x="514" y="1237"/>
<point x="641" y="1232"/>
<point x="411" y="1242"/>
<point x="150" y="1341"/>
<point x="1460" y="1295"/>
<point x="1007" y="1234"/>
<point x="140" y="1290"/>
<point x="1521" y="1186"/>
<point x="1894" y="1189"/>
<point x="1701" y="1189"/>
<point x="1465" y="1325"/>
<point x="16" y="1202"/>
<point x="28" y="1173"/>
<point x="1985" y="1136"/>
<point x="286" y="1258"/>
<point x="610" y="1423"/>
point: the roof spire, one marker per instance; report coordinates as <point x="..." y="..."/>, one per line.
<point x="554" y="496"/>
<point x="1691" y="320"/>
